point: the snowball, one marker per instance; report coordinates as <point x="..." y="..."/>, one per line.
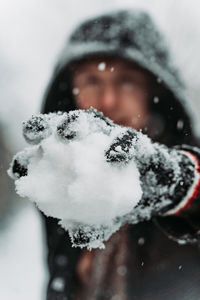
<point x="71" y="180"/>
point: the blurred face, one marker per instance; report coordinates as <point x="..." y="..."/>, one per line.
<point x="115" y="88"/>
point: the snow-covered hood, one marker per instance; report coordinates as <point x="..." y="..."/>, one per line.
<point x="131" y="35"/>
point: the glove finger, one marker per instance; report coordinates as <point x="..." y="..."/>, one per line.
<point x="99" y="115"/>
<point x="64" y="130"/>
<point x="87" y="236"/>
<point x="18" y="169"/>
<point x="36" y="129"/>
<point x="121" y="149"/>
<point x="19" y="166"/>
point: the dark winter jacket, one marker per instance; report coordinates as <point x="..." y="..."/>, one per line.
<point x="165" y="258"/>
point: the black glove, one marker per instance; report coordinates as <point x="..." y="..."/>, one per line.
<point x="166" y="175"/>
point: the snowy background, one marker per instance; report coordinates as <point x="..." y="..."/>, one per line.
<point x="31" y="35"/>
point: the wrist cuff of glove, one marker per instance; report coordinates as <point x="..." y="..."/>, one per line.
<point x="193" y="192"/>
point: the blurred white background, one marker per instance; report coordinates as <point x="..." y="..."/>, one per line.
<point x="31" y="35"/>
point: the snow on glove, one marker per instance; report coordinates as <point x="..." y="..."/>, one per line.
<point x="90" y="173"/>
<point x="65" y="172"/>
<point x="167" y="175"/>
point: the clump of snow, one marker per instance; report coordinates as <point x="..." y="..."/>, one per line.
<point x="180" y="124"/>
<point x="75" y="91"/>
<point x="58" y="284"/>
<point x="69" y="178"/>
<point x="156" y="100"/>
<point x="102" y="66"/>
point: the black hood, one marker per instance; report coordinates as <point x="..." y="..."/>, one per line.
<point x="133" y="36"/>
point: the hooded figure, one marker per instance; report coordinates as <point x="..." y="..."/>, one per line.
<point x="142" y="261"/>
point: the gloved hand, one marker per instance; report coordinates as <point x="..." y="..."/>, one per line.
<point x="166" y="174"/>
<point x="60" y="140"/>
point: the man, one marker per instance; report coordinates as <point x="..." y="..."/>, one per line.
<point x="120" y="90"/>
<point x="119" y="64"/>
